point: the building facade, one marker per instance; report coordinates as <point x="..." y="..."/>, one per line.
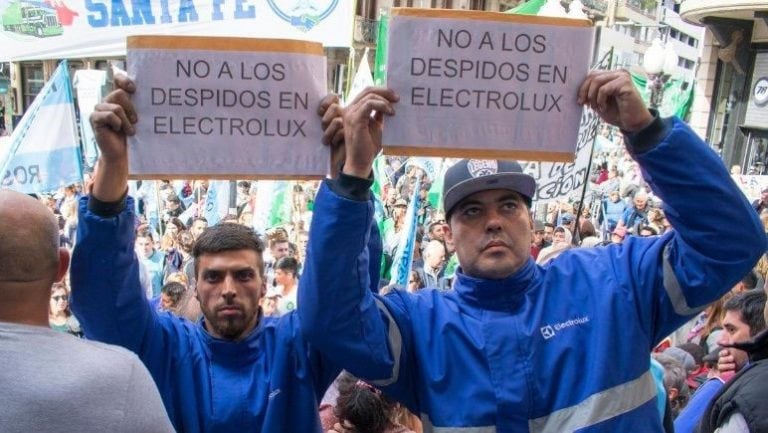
<point x="730" y="109"/>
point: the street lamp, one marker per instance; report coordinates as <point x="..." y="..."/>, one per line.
<point x="659" y="62"/>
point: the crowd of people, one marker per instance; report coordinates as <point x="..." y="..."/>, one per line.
<point x="500" y="327"/>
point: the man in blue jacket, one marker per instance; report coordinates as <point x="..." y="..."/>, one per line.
<point x="235" y="370"/>
<point x="517" y="347"/>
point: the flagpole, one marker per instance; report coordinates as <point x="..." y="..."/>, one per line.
<point x="576" y="236"/>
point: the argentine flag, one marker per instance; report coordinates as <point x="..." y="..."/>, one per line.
<point x="44" y="152"/>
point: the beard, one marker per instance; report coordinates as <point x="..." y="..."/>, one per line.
<point x="229" y="327"/>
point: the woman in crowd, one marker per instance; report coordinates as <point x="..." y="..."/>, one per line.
<point x="361" y="408"/>
<point x="708" y="325"/>
<point x="60" y="318"/>
<point x="414" y="282"/>
<point x="561" y="241"/>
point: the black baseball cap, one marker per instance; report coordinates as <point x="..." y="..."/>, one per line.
<point x="469" y="176"/>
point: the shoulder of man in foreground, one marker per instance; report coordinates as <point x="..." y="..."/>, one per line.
<point x="87" y="385"/>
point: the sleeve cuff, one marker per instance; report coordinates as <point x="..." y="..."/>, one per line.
<point x="107" y="209"/>
<point x="351" y="187"/>
<point x="650" y="136"/>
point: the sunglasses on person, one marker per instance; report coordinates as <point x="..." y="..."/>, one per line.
<point x="58" y="298"/>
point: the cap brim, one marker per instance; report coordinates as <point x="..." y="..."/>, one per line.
<point x="520" y="183"/>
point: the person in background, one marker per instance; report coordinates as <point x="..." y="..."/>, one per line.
<point x="415" y="282"/>
<point x="361" y="408"/>
<point x="743" y="319"/>
<point x="286" y="273"/>
<point x="675" y="384"/>
<point x="60" y="318"/>
<point x="152" y="258"/>
<point x="171" y="296"/>
<point x="761" y="203"/>
<point x="740" y="407"/>
<point x="561" y="241"/>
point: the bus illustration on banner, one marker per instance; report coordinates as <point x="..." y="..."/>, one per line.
<point x="31" y="18"/>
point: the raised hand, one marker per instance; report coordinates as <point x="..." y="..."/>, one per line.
<point x="363" y="126"/>
<point x="614" y="97"/>
<point x="113" y="121"/>
<point x="332" y="120"/>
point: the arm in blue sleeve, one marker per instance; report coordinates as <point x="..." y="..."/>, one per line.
<point x="107" y="296"/>
<point x="340" y="316"/>
<point x="717" y="236"/>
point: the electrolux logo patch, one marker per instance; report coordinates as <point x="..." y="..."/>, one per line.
<point x="549" y="331"/>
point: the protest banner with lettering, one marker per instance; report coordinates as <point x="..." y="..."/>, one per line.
<point x="227" y="108"/>
<point x="60" y="29"/>
<point x="751" y="185"/>
<point x="562" y="180"/>
<point x="484" y="84"/>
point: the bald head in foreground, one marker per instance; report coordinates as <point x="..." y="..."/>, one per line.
<point x="85" y="386"/>
<point x="30" y="258"/>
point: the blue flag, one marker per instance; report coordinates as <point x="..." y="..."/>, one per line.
<point x="401" y="265"/>
<point x="44" y="154"/>
<point x="216" y="201"/>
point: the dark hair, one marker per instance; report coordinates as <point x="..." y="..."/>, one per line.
<point x="696" y="351"/>
<point x="419" y="282"/>
<point x="174" y="290"/>
<point x="653" y="231"/>
<point x="586" y="229"/>
<point x="145" y="233"/>
<point x="186" y="241"/>
<point x="228" y="237"/>
<point x="749" y="280"/>
<point x="200" y="218"/>
<point x="288" y="264"/>
<point x="750" y="305"/>
<point x="177" y="222"/>
<point x="363" y="406"/>
<point x="549" y="224"/>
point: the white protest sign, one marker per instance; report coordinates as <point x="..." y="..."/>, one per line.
<point x="227" y="108"/>
<point x="485" y="85"/>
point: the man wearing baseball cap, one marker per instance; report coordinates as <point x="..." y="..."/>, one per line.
<point x="518" y="347"/>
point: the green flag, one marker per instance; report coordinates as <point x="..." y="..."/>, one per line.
<point x="530" y="7"/>
<point x="380" y="64"/>
<point x="676" y="100"/>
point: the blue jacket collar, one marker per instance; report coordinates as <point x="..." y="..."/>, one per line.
<point x="496" y="294"/>
<point x="230" y="352"/>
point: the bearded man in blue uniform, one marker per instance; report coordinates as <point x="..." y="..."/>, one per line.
<point x="235" y="370"/>
<point x="518" y="347"/>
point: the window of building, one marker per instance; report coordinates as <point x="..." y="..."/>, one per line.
<point x="403" y="3"/>
<point x="477" y="5"/>
<point x="366" y="9"/>
<point x="442" y="4"/>
<point x="33" y="80"/>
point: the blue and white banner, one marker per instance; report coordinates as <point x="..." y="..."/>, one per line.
<point x="58" y="29"/>
<point x="401" y="265"/>
<point x="216" y="201"/>
<point x="44" y="154"/>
